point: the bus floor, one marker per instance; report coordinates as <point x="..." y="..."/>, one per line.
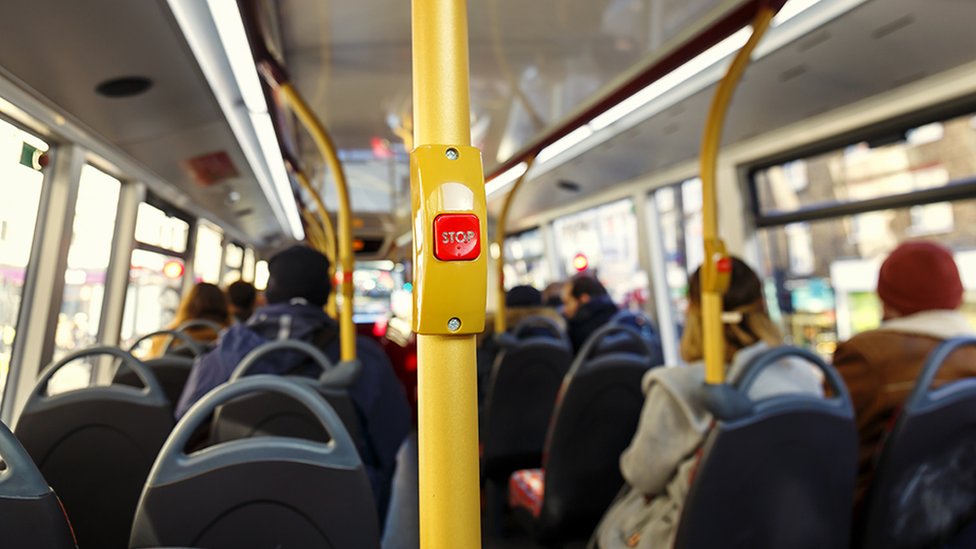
<point x="403" y="519"/>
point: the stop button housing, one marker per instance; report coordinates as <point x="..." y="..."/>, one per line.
<point x="451" y="268"/>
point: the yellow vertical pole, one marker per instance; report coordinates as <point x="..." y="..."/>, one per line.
<point x="347" y="329"/>
<point x="448" y="421"/>
<point x="716" y="269"/>
<point x="501" y="323"/>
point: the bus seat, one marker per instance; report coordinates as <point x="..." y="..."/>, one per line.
<point x="274" y="414"/>
<point x="171" y="371"/>
<point x="596" y="414"/>
<point x="521" y="395"/>
<point x="30" y="514"/>
<point x="189" y="347"/>
<point x="258" y="492"/>
<point x="95" y="446"/>
<point x="773" y="473"/>
<point x="487" y="353"/>
<point x="924" y="489"/>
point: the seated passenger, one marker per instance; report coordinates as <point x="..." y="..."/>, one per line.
<point x="204" y="302"/>
<point x="674" y="421"/>
<point x="552" y="295"/>
<point x="242" y="297"/>
<point x="587" y="306"/>
<point x="298" y="287"/>
<point x="522" y="302"/>
<point x="921" y="293"/>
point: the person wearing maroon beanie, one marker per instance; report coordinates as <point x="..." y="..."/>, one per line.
<point x="921" y="292"/>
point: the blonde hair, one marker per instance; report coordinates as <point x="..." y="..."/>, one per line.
<point x="746" y="320"/>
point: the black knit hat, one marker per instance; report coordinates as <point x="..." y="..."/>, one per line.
<point x="523" y="296"/>
<point x="298" y="272"/>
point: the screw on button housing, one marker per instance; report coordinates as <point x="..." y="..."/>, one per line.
<point x="452" y="154"/>
<point x="454" y="324"/>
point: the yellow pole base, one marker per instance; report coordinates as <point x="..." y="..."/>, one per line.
<point x="450" y="501"/>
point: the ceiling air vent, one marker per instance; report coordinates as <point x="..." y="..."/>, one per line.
<point x="210" y="169"/>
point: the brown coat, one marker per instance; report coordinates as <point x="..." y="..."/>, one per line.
<point x="880" y="368"/>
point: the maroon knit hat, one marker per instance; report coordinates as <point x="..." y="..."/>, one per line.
<point x="920" y="276"/>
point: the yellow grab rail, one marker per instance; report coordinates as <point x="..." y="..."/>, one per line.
<point x="313" y="231"/>
<point x="327" y="230"/>
<point x="501" y="322"/>
<point x="716" y="269"/>
<point x="347" y="329"/>
<point x="447" y="382"/>
<point x="326" y="236"/>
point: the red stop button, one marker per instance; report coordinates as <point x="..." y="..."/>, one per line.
<point x="457" y="237"/>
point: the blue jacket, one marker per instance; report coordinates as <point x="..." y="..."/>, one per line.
<point x="377" y="394"/>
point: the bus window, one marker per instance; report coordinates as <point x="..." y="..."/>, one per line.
<point x="374" y="283"/>
<point x="261" y="275"/>
<point x="21" y="182"/>
<point x="153" y="295"/>
<point x="822" y="268"/>
<point x="155" y="228"/>
<point x="233" y="264"/>
<point x="821" y="276"/>
<point x="679" y="214"/>
<point x="525" y="261"/>
<point x="247" y="269"/>
<point x="155" y="279"/>
<point x="84" y="279"/>
<point x="206" y="257"/>
<point x="607" y="237"/>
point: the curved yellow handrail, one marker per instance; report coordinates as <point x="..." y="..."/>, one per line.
<point x="324" y="221"/>
<point x="347" y="329"/>
<point x="326" y="235"/>
<point x="715" y="275"/>
<point x="313" y="231"/>
<point x="501" y="323"/>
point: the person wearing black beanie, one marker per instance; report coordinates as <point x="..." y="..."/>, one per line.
<point x="297" y="291"/>
<point x="298" y="272"/>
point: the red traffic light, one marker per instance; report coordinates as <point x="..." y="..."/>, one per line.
<point x="173" y="269"/>
<point x="580" y="263"/>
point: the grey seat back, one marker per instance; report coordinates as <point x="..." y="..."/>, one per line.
<point x="525" y="379"/>
<point x="924" y="489"/>
<point x="273" y="414"/>
<point x="30" y="515"/>
<point x="258" y="492"/>
<point x="582" y="454"/>
<point x="774" y="473"/>
<point x="179" y="342"/>
<point x="95" y="446"/>
<point x="171" y="370"/>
